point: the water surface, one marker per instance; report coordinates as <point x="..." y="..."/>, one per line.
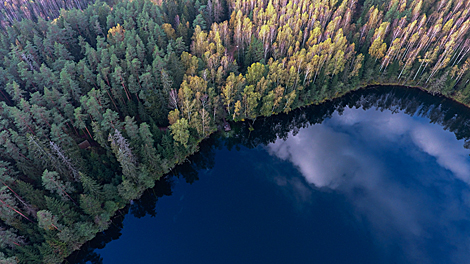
<point x="379" y="176"/>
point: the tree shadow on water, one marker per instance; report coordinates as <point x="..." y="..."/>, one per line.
<point x="146" y="205"/>
<point x="140" y="208"/>
<point x="451" y="115"/>
<point x="87" y="252"/>
<point x="204" y="159"/>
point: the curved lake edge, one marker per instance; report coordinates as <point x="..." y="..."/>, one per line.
<point x="391" y="84"/>
<point x="247" y="127"/>
<point x="417" y="87"/>
<point x="421" y="95"/>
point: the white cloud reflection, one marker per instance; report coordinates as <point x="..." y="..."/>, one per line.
<point x="414" y="204"/>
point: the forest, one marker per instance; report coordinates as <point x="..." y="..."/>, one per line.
<point x="99" y="100"/>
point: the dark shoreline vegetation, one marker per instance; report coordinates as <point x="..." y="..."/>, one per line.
<point x="98" y="104"/>
<point x="415" y="102"/>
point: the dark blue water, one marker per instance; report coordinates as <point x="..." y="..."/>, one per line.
<point x="389" y="184"/>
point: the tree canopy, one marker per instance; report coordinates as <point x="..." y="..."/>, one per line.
<point x="99" y="101"/>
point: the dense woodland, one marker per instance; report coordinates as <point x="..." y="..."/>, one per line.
<point x="16" y="10"/>
<point x="99" y="102"/>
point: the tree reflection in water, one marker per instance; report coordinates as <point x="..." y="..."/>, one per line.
<point x="146" y="205"/>
<point x="451" y="116"/>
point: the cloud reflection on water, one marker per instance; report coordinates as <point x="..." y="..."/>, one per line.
<point x="400" y="173"/>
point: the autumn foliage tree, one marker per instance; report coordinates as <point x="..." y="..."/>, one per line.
<point x="98" y="102"/>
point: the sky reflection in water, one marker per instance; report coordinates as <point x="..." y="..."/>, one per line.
<point x="406" y="178"/>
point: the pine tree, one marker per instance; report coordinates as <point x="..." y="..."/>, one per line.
<point x="147" y="151"/>
<point x="200" y="21"/>
<point x="124" y="155"/>
<point x="90" y="205"/>
<point x="52" y="182"/>
<point x="47" y="221"/>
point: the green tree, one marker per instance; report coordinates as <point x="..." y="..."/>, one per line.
<point x="180" y="131"/>
<point x="90" y="205"/>
<point x="124" y="155"/>
<point x="200" y="21"/>
<point x="52" y="182"/>
<point x="47" y="221"/>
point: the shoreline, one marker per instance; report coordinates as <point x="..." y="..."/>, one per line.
<point x="195" y="148"/>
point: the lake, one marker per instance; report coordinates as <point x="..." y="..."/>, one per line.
<point x="379" y="176"/>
